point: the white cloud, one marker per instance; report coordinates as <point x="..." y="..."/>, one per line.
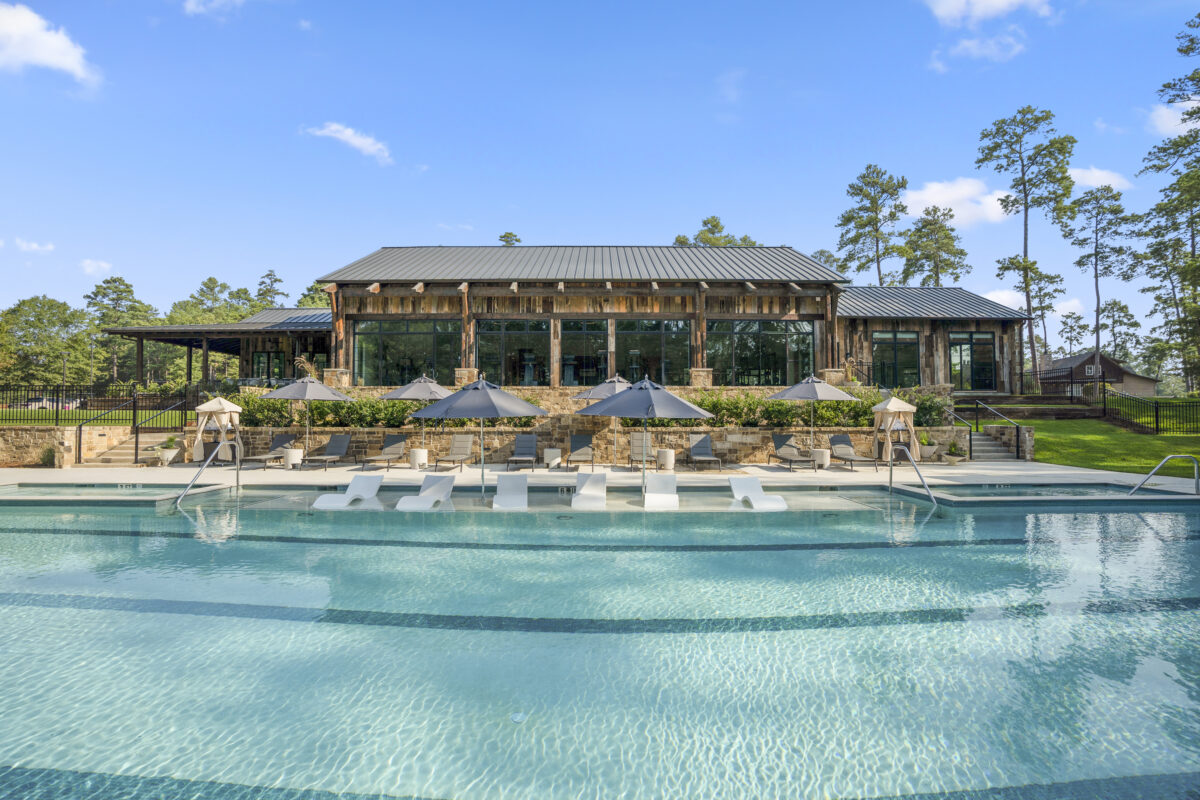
<point x="936" y="63"/>
<point x="1000" y="48"/>
<point x="968" y="197"/>
<point x="27" y="40"/>
<point x="458" y="226"/>
<point x="363" y="143"/>
<point x="1094" y="176"/>
<point x="954" y="13"/>
<point x="1167" y="120"/>
<point x="729" y="85"/>
<point x="1071" y="305"/>
<point x="1007" y="297"/>
<point x="304" y="25"/>
<point x="216" y="7"/>
<point x="33" y="247"/>
<point x="92" y="266"/>
<point x="1104" y="127"/>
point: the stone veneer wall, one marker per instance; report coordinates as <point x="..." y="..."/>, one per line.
<point x="1007" y="436"/>
<point x="23" y="445"/>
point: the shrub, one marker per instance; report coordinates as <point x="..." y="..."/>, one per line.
<point x="931" y="408"/>
<point x="258" y="412"/>
<point x="46" y="459"/>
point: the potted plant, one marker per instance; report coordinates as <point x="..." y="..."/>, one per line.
<point x="953" y="454"/>
<point x="167" y="451"/>
<point x="926" y="446"/>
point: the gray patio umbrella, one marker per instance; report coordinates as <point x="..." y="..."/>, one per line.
<point x="422" y="389"/>
<point x="485" y="401"/>
<point x="307" y="389"/>
<point x="600" y="391"/>
<point x="645" y="400"/>
<point x="813" y="390"/>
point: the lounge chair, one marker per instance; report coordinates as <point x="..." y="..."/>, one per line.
<point x="395" y="446"/>
<point x="841" y="449"/>
<point x="788" y="453"/>
<point x="279" y="443"/>
<point x="512" y="493"/>
<point x="435" y="491"/>
<point x="362" y="489"/>
<point x="641" y="448"/>
<point x="335" y="450"/>
<point x="748" y="490"/>
<point x="524" y="451"/>
<point x="581" y="450"/>
<point x="590" y="492"/>
<point x="462" y="450"/>
<point x="700" y="450"/>
<point x="660" y="493"/>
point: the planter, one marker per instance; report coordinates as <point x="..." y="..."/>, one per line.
<point x="166" y="455"/>
<point x="953" y="460"/>
<point x="927" y="451"/>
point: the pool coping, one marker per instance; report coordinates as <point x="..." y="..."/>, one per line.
<point x="170" y="492"/>
<point x="1161" y="494"/>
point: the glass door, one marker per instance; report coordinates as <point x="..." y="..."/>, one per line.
<point x="973" y="362"/>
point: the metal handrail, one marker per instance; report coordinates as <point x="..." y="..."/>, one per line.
<point x="970" y="433"/>
<point x="137" y="427"/>
<point x="89" y="420"/>
<point x="1195" y="472"/>
<point x="980" y="404"/>
<point x="237" y="460"/>
<point x="908" y="455"/>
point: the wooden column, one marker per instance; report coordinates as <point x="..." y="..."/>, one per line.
<point x="204" y="375"/>
<point x="555" y="352"/>
<point x="189" y="365"/>
<point x="612" y="347"/>
<point x="140" y="376"/>
<point x="287" y="352"/>
<point x="467" y="357"/>
<point x="700" y="334"/>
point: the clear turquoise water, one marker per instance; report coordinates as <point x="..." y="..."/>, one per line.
<point x="27" y="490"/>
<point x="1044" y="490"/>
<point x="857" y="649"/>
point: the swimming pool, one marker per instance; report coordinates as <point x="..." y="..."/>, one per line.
<point x="861" y="648"/>
<point x="1048" y="490"/>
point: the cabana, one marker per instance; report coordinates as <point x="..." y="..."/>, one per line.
<point x="895" y="414"/>
<point x="221" y="416"/>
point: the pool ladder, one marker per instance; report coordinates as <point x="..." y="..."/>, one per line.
<point x="891" y="464"/>
<point x="237" y="461"/>
<point x="1195" y="472"/>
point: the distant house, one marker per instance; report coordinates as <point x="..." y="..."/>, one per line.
<point x="1081" y="368"/>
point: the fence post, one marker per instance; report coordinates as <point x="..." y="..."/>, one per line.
<point x="1156" y="431"/>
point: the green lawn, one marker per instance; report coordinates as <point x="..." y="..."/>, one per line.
<point x="39" y="416"/>
<point x="1099" y="445"/>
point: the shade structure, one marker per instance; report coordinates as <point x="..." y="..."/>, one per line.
<point x="422" y="389"/>
<point x="645" y="400"/>
<point x="306" y="390"/>
<point x="222" y="415"/>
<point x="602" y="390"/>
<point x="480" y="400"/>
<point x="895" y="414"/>
<point x="813" y="390"/>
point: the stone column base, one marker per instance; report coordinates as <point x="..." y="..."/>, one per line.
<point x="337" y="378"/>
<point x="465" y="375"/>
<point x="700" y="377"/>
<point x="834" y="377"/>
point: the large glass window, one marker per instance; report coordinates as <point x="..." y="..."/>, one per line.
<point x="657" y="349"/>
<point x="264" y="365"/>
<point x="513" y="352"/>
<point x="759" y="352"/>
<point x="584" y="352"/>
<point x="394" y="352"/>
<point x="973" y="361"/>
<point x="896" y="359"/>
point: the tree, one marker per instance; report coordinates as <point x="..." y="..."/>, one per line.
<point x="1025" y="148"/>
<point x="1045" y="288"/>
<point x="1097" y="224"/>
<point x="712" y="234"/>
<point x="828" y="259"/>
<point x="868" y="228"/>
<point x="314" y="296"/>
<point x="509" y="238"/>
<point x="112" y="304"/>
<point x="1184" y="147"/>
<point x="1072" y="330"/>
<point x="44" y="332"/>
<point x="1116" y="318"/>
<point x="269" y="295"/>
<point x="935" y="250"/>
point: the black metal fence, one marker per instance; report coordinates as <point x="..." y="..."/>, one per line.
<point x="1152" y="415"/>
<point x="68" y="404"/>
<point x="1062" y="382"/>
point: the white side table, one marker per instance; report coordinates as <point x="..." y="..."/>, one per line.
<point x="665" y="458"/>
<point x="553" y="457"/>
<point x="418" y="457"/>
<point x="820" y="457"/>
<point x="292" y="456"/>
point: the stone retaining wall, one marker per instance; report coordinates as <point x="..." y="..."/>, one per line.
<point x="1007" y="436"/>
<point x="24" y="445"/>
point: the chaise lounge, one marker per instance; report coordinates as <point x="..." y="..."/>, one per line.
<point x="395" y="446"/>
<point x="524" y="451"/>
<point x="841" y="449"/>
<point x="700" y="451"/>
<point x="787" y="452"/>
<point x="335" y="450"/>
<point x="279" y="443"/>
<point x="462" y="450"/>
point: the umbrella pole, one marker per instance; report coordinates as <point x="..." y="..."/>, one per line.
<point x="482" y="474"/>
<point x="307" y="426"/>
<point x="812" y="423"/>
<point x="645" y="435"/>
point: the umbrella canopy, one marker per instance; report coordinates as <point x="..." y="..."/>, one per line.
<point x="485" y="401"/>
<point x="895" y="414"/>
<point x="217" y="405"/>
<point x="307" y="389"/>
<point x="602" y="390"/>
<point x="421" y="389"/>
<point x="645" y="400"/>
<point x="814" y="390"/>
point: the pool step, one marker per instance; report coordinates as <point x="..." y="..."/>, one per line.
<point x="985" y="448"/>
<point x="123" y="455"/>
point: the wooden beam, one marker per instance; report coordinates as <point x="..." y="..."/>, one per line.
<point x="749" y="286"/>
<point x="703" y="286"/>
<point x="373" y="288"/>
<point x="462" y="287"/>
<point x="654" y="286"/>
<point x="794" y="288"/>
<point x="513" y="286"/>
<point x="330" y="288"/>
<point x="562" y="287"/>
<point x="419" y="287"/>
<point x="608" y="286"/>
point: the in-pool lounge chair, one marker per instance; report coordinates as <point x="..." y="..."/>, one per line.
<point x="581" y="450"/>
<point x="841" y="449"/>
<point x="362" y="490"/>
<point x="435" y="492"/>
<point x="512" y="493"/>
<point x="660" y="493"/>
<point x="279" y="443"/>
<point x="524" y="451"/>
<point x="462" y="450"/>
<point x="788" y="453"/>
<point x="700" y="450"/>
<point x="589" y="492"/>
<point x="748" y="490"/>
<point x="395" y="447"/>
<point x="641" y="448"/>
<point x="335" y="450"/>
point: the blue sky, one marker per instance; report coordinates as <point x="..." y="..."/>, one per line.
<point x="168" y="140"/>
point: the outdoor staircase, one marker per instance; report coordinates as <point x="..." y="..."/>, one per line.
<point x="985" y="448"/>
<point x="123" y="455"/>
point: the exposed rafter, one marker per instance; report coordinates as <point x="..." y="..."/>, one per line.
<point x="373" y="288"/>
<point x="419" y="288"/>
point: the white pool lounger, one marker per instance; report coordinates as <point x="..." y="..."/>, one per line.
<point x="362" y="489"/>
<point x="749" y="490"/>
<point x="660" y="493"/>
<point x="590" y="492"/>
<point x="435" y="492"/>
<point x="512" y="493"/>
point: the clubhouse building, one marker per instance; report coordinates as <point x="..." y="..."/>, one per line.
<point x="575" y="316"/>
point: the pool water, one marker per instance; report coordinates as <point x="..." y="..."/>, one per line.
<point x="1044" y="490"/>
<point x="858" y="649"/>
<point x="52" y="490"/>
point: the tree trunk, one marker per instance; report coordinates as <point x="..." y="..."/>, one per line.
<point x="1096" y="280"/>
<point x="1033" y="361"/>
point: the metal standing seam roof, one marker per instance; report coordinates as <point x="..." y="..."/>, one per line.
<point x="923" y="302"/>
<point x="599" y="263"/>
<point x="272" y="319"/>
